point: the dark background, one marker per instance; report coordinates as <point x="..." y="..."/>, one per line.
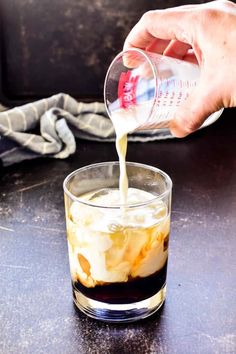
<point x="56" y="45"/>
<point x="52" y="46"/>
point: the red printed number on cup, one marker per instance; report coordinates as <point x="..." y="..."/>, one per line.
<point x="127" y="89"/>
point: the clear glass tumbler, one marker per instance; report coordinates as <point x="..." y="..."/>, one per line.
<point x="118" y="253"/>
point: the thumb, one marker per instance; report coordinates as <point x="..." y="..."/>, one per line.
<point x="200" y="104"/>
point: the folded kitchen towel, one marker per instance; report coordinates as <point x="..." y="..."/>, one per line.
<point x="49" y="127"/>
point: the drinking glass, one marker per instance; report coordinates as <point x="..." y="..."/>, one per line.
<point x="118" y="253"/>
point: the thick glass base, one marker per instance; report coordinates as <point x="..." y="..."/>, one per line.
<point x="119" y="313"/>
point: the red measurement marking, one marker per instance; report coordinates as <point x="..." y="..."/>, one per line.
<point x="127" y="89"/>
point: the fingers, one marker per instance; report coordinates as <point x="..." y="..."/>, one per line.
<point x="180" y="50"/>
<point x="133" y="59"/>
<point x="139" y="37"/>
<point x="191" y="57"/>
<point x="176" y="23"/>
<point x="158" y="46"/>
<point x="196" y="109"/>
<point x="177" y="49"/>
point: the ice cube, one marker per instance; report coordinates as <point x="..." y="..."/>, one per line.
<point x="115" y="227"/>
<point x="101" y="192"/>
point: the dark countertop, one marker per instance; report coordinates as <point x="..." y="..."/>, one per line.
<point x="36" y="309"/>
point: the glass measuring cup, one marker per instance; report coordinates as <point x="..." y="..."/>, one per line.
<point x="142" y="90"/>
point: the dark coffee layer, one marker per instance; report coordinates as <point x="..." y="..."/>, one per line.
<point x="134" y="290"/>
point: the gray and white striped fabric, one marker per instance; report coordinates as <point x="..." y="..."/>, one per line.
<point x="49" y="127"/>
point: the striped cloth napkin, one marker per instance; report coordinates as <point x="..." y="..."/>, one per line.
<point x="49" y="127"/>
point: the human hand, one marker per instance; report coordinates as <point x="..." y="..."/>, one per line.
<point x="204" y="34"/>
